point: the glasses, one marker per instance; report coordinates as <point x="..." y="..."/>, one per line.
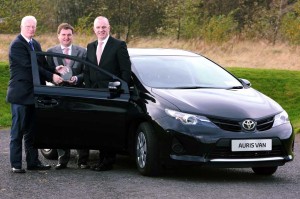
<point x="29" y="27"/>
<point x="101" y="27"/>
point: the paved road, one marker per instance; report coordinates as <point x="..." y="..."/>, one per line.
<point x="125" y="182"/>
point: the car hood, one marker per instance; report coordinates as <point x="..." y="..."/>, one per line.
<point x="231" y="103"/>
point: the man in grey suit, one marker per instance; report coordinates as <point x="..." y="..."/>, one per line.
<point x="65" y="36"/>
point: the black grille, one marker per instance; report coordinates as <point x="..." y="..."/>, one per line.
<point x="227" y="124"/>
<point x="235" y="126"/>
<point x="265" y="124"/>
<point x="225" y="152"/>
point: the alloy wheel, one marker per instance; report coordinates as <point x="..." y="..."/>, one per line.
<point x="141" y="150"/>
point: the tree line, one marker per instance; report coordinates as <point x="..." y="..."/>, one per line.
<point x="209" y="20"/>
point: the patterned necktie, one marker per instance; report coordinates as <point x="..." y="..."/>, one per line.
<point x="99" y="51"/>
<point x="66" y="51"/>
<point x="31" y="45"/>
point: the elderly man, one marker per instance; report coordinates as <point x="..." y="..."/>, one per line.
<point x="20" y="95"/>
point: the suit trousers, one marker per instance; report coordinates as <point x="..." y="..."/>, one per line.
<point x="82" y="156"/>
<point x="23" y="126"/>
<point x="64" y="156"/>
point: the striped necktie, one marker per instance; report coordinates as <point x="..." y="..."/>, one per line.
<point x="66" y="51"/>
<point x="31" y="45"/>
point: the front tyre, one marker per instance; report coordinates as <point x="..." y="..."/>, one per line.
<point x="147" y="151"/>
<point x="264" y="170"/>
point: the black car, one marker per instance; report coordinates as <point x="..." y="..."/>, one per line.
<point x="180" y="108"/>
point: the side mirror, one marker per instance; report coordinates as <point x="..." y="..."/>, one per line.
<point x="246" y="82"/>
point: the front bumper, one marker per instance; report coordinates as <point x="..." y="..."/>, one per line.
<point x="214" y="149"/>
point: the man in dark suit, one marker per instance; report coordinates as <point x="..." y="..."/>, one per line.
<point x="111" y="55"/>
<point x="20" y="95"/>
<point x="65" y="36"/>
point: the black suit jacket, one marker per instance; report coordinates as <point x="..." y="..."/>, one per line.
<point x="114" y="59"/>
<point x="20" y="86"/>
<point x="77" y="67"/>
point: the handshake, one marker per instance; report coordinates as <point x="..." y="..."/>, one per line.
<point x="66" y="74"/>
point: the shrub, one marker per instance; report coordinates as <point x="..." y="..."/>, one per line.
<point x="290" y="28"/>
<point x="219" y="29"/>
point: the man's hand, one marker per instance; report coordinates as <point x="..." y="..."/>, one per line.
<point x="73" y="80"/>
<point x="62" y="69"/>
<point x="57" y="79"/>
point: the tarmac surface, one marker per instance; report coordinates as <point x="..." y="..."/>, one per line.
<point x="124" y="181"/>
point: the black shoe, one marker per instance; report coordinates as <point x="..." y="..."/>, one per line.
<point x="15" y="170"/>
<point x="39" y="167"/>
<point x="83" y="166"/>
<point x="60" y="166"/>
<point x="102" y="167"/>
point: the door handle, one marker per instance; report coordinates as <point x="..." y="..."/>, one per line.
<point x="46" y="103"/>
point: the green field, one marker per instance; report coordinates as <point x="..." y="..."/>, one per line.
<point x="5" y="116"/>
<point x="281" y="85"/>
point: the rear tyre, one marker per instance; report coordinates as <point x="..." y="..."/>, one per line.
<point x="147" y="151"/>
<point x="50" y="154"/>
<point x="264" y="170"/>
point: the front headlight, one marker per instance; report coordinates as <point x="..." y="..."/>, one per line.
<point x="185" y="118"/>
<point x="281" y="118"/>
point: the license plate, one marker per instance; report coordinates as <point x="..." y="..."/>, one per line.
<point x="251" y="145"/>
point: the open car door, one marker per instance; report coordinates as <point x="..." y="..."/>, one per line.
<point x="79" y="117"/>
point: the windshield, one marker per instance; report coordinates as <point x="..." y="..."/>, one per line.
<point x="182" y="72"/>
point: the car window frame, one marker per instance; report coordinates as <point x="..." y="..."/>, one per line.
<point x="36" y="76"/>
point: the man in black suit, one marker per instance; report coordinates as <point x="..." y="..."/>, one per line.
<point x="111" y="55"/>
<point x="20" y="95"/>
<point x="65" y="36"/>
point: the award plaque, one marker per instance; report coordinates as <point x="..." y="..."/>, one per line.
<point x="67" y="75"/>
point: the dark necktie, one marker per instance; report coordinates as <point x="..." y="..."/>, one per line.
<point x="31" y="45"/>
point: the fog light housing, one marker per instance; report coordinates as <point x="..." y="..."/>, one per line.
<point x="177" y="147"/>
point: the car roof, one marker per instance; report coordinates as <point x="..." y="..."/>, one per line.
<point x="159" y="52"/>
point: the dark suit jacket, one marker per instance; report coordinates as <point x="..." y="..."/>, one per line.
<point x="114" y="59"/>
<point x="77" y="67"/>
<point x="20" y="88"/>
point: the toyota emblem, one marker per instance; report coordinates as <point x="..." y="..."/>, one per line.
<point x="249" y="125"/>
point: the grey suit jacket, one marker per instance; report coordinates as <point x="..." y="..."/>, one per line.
<point x="77" y="68"/>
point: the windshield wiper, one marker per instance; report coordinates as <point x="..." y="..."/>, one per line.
<point x="188" y="87"/>
<point x="235" y="87"/>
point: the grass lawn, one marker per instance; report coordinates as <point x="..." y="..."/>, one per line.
<point x="5" y="116"/>
<point x="281" y="85"/>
